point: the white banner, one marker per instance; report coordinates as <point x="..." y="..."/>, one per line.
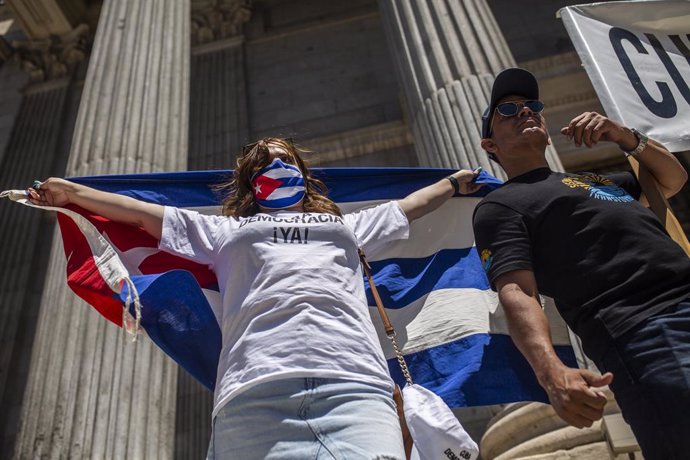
<point x="637" y="55"/>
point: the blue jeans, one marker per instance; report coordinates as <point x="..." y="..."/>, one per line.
<point x="651" y="382"/>
<point x="308" y="418"/>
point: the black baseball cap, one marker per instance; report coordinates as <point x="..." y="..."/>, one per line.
<point x="511" y="81"/>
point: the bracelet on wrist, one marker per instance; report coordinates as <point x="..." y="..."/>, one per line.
<point x="454" y="182"/>
<point x="642" y="140"/>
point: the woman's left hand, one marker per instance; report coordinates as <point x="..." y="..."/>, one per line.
<point x="427" y="199"/>
<point x="466" y="178"/>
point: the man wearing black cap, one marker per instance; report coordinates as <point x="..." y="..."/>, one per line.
<point x="618" y="280"/>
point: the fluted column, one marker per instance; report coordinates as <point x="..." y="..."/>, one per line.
<point x="447" y="53"/>
<point x="91" y="393"/>
<point x="32" y="151"/>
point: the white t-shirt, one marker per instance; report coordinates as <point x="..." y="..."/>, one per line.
<point x="293" y="302"/>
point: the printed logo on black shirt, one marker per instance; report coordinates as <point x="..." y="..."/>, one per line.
<point x="486" y="258"/>
<point x="599" y="187"/>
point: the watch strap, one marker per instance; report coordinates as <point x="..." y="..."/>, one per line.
<point x="641" y="144"/>
<point x="455" y="183"/>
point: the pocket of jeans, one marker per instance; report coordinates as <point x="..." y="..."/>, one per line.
<point x="613" y="362"/>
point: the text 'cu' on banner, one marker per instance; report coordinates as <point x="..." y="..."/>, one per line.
<point x="637" y="55"/>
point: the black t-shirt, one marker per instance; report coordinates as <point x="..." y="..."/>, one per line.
<point x="604" y="258"/>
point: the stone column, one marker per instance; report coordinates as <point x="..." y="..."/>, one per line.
<point x="29" y="154"/>
<point x="92" y="393"/>
<point x="447" y="54"/>
<point x="35" y="148"/>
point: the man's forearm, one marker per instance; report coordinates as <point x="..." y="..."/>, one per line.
<point x="529" y="329"/>
<point x="666" y="169"/>
<point x="662" y="164"/>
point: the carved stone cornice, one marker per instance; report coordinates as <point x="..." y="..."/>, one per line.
<point x="214" y="20"/>
<point x="562" y="80"/>
<point x="554" y="65"/>
<point x="55" y="57"/>
<point x="358" y="142"/>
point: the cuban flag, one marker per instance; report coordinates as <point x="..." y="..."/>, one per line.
<point x="448" y="321"/>
<point x="278" y="185"/>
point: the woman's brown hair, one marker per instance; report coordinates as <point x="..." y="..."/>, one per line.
<point x="239" y="200"/>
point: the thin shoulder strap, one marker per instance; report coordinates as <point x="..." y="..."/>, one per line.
<point x="387" y="325"/>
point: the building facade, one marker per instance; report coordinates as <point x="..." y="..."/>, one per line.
<point x="101" y="87"/>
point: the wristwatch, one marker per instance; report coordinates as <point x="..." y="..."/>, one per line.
<point x="454" y="182"/>
<point x="642" y="143"/>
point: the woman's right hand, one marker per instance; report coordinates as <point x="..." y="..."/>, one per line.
<point x="53" y="192"/>
<point x="112" y="206"/>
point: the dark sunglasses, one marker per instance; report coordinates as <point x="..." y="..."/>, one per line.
<point x="247" y="148"/>
<point x="510" y="109"/>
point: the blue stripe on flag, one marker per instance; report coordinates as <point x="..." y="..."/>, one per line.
<point x="402" y="281"/>
<point x="194" y="188"/>
<point x="368" y="184"/>
<point x="179" y="319"/>
<point x="477" y="370"/>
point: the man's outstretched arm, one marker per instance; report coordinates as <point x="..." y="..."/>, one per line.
<point x="571" y="391"/>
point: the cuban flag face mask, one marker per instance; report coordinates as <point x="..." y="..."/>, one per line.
<point x="278" y="185"/>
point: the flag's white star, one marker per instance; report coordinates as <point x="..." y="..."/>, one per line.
<point x="132" y="258"/>
<point x="257" y="189"/>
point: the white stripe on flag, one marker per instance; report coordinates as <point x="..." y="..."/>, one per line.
<point x="447" y="315"/>
<point x="285" y="192"/>
<point x="429" y="234"/>
<point x="281" y="173"/>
